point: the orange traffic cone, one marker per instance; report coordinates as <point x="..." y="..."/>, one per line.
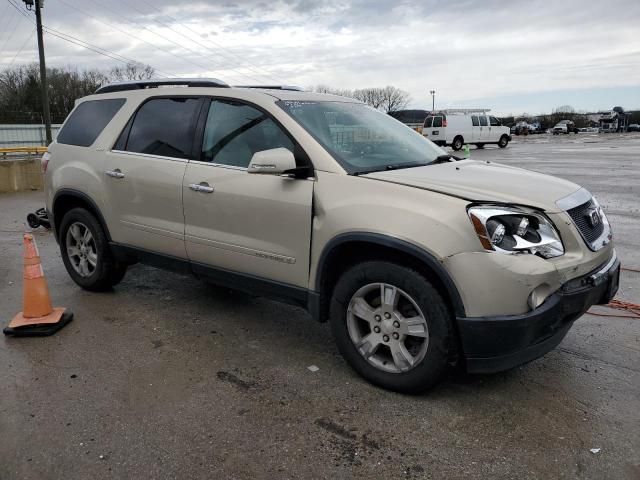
<point x="38" y="317"/>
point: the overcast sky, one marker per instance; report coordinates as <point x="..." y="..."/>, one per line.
<point x="510" y="56"/>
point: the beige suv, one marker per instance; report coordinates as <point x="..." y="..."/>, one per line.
<point x="417" y="260"/>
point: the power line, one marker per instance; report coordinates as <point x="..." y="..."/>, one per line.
<point x="248" y="64"/>
<point x="17" y="19"/>
<point x="22" y="47"/>
<point x="81" y="43"/>
<point x="253" y="78"/>
<point x="162" y="37"/>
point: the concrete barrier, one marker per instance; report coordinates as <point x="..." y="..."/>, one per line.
<point x="24" y="173"/>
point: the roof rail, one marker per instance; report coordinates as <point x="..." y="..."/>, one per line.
<point x="274" y="87"/>
<point x="163" y="82"/>
<point x="466" y="110"/>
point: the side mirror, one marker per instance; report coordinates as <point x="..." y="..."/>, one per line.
<point x="275" y="161"/>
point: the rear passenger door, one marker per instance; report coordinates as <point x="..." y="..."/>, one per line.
<point x="143" y="175"/>
<point x="256" y="225"/>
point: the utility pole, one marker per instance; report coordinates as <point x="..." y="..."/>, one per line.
<point x="433" y="99"/>
<point x="43" y="68"/>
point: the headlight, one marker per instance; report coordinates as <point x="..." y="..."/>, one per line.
<point x="515" y="230"/>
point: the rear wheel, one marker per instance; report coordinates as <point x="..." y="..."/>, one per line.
<point x="503" y="142"/>
<point x="86" y="253"/>
<point x="392" y="326"/>
<point x="458" y="142"/>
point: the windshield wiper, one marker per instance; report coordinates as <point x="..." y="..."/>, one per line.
<point x="392" y="166"/>
<point x="444" y="159"/>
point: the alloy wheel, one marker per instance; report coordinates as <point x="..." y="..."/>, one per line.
<point x="387" y="327"/>
<point x="81" y="249"/>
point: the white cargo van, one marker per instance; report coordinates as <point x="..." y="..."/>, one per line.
<point x="460" y="126"/>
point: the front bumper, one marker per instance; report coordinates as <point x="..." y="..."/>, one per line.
<point x="493" y="344"/>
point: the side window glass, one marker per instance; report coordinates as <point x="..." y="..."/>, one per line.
<point x="164" y="126"/>
<point x="483" y="121"/>
<point x="494" y="122"/>
<point x="428" y="122"/>
<point x="437" y="121"/>
<point x="88" y="121"/>
<point x="235" y="131"/>
<point x="474" y="121"/>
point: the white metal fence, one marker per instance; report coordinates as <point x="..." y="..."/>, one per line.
<point x="25" y="135"/>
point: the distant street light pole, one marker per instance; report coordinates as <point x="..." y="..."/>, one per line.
<point x="43" y="69"/>
<point x="433" y="99"/>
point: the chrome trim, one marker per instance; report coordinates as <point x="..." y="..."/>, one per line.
<point x="149" y="155"/>
<point x="577" y="198"/>
<point x="201" y="187"/>
<point x="221" y="165"/>
<point x="605" y="237"/>
<point x="602" y="275"/>
<point x="114" y="173"/>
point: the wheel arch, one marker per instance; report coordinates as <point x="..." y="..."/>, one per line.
<point x="68" y="198"/>
<point x="347" y="249"/>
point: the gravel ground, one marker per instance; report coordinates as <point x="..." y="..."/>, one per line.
<point x="167" y="377"/>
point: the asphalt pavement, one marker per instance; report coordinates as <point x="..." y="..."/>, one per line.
<point x="168" y="377"/>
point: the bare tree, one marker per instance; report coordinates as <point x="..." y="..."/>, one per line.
<point x="370" y="96"/>
<point x="132" y="71"/>
<point x="393" y="99"/>
<point x="343" y="92"/>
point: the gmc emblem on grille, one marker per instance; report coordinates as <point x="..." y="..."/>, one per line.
<point x="594" y="217"/>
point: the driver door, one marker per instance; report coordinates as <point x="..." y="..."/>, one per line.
<point x="253" y="224"/>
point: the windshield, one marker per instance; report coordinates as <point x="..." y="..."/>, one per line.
<point x="361" y="138"/>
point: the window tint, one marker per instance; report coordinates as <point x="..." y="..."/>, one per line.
<point x="428" y="122"/>
<point x="88" y="120"/>
<point x="483" y="121"/>
<point x="474" y="120"/>
<point x="437" y="121"/>
<point x="494" y="122"/>
<point x="235" y="131"/>
<point x="164" y="126"/>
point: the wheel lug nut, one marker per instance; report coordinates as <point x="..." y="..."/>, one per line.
<point x="386" y="338"/>
<point x="396" y="324"/>
<point x="376" y="329"/>
<point x="387" y="315"/>
<point x="395" y="335"/>
<point x="377" y="317"/>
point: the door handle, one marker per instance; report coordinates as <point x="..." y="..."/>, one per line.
<point x="117" y="173"/>
<point x="202" y="187"/>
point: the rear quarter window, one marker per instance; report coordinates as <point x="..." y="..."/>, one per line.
<point x="88" y="120"/>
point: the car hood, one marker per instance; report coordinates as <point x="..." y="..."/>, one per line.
<point x="484" y="181"/>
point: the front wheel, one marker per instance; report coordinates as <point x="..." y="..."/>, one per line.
<point x="503" y="142"/>
<point x="86" y="253"/>
<point x="392" y="326"/>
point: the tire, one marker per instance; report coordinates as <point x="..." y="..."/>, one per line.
<point x="479" y="145"/>
<point x="87" y="256"/>
<point x="457" y="143"/>
<point x="429" y="344"/>
<point x="503" y="142"/>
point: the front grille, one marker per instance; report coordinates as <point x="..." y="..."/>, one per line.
<point x="582" y="219"/>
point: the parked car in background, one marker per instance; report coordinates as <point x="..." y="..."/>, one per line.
<point x="565" y="126"/>
<point x="457" y="127"/>
<point x="634" y="127"/>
